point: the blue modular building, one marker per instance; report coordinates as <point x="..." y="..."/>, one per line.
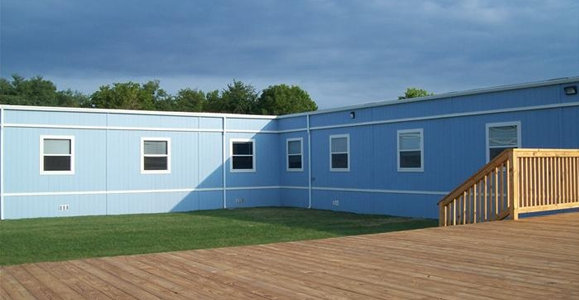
<point x="397" y="157"/>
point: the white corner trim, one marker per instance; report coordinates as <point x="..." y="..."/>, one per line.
<point x="1" y="163"/>
<point x="168" y="155"/>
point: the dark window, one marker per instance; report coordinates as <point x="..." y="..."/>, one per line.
<point x="57" y="155"/>
<point x="501" y="138"/>
<point x="339" y="151"/>
<point x="155" y="155"/>
<point x="410" y="150"/>
<point x="242" y="156"/>
<point x="294" y="154"/>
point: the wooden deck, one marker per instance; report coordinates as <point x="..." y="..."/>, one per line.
<point x="535" y="258"/>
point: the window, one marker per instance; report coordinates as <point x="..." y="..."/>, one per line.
<point x="410" y="150"/>
<point x="242" y="156"/>
<point x="501" y="136"/>
<point x="294" y="154"/>
<point x="57" y="155"/>
<point x="156" y="155"/>
<point x="340" y="152"/>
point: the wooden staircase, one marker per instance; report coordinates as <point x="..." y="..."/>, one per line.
<point x="516" y="181"/>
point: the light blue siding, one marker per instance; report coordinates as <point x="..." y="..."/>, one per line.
<point x="54" y="118"/>
<point x="108" y="180"/>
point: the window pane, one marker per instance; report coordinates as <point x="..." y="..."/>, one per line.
<point x="155" y="147"/>
<point x="503" y="136"/>
<point x="339" y="161"/>
<point x="242" y="162"/>
<point x="295" y="161"/>
<point x="409" y="141"/>
<point x="410" y="159"/>
<point x="155" y="163"/>
<point x="339" y="145"/>
<point x="294" y="147"/>
<point x="243" y="148"/>
<point x="57" y="163"/>
<point x="53" y="146"/>
<point x="493" y="152"/>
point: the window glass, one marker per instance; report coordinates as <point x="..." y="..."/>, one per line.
<point x="502" y="137"/>
<point x="242" y="156"/>
<point x="155" y="156"/>
<point x="294" y="155"/>
<point x="155" y="147"/>
<point x="339" y="153"/>
<point x="294" y="147"/>
<point x="57" y="156"/>
<point x="410" y="150"/>
<point x="340" y="144"/>
<point x="54" y="146"/>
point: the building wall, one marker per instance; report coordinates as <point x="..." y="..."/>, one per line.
<point x="108" y="177"/>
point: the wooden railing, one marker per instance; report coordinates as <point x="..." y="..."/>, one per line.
<point x="516" y="181"/>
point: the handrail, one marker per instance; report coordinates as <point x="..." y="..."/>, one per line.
<point x="516" y="181"/>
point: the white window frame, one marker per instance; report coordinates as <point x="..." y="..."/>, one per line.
<point x="72" y="154"/>
<point x="333" y="136"/>
<point x="501" y="124"/>
<point x="301" y="140"/>
<point x="415" y="130"/>
<point x="254" y="155"/>
<point x="168" y="155"/>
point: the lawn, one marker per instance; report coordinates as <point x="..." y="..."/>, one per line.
<point x="54" y="239"/>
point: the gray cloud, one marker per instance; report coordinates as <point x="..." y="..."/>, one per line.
<point x="342" y="52"/>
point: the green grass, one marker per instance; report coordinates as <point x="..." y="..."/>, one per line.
<point x="54" y="239"/>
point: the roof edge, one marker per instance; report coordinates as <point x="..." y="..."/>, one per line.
<point x="477" y="91"/>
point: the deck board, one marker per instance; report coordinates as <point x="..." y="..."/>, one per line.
<point x="533" y="258"/>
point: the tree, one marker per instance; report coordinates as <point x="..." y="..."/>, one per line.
<point x="190" y="100"/>
<point x="414" y="93"/>
<point x="34" y="91"/>
<point x="131" y="95"/>
<point x="283" y="99"/>
<point x="238" y="98"/>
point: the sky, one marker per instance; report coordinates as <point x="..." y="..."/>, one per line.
<point x="341" y="52"/>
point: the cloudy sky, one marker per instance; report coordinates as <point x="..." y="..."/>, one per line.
<point x="341" y="52"/>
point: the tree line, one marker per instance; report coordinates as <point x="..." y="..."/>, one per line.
<point x="237" y="97"/>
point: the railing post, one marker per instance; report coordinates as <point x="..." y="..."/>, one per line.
<point x="514" y="184"/>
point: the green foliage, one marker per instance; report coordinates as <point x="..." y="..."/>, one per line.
<point x="190" y="100"/>
<point x="414" y="93"/>
<point x="238" y="97"/>
<point x="35" y="240"/>
<point x="283" y="99"/>
<point x="131" y="95"/>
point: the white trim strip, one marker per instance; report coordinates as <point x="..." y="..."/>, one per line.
<point x="220" y="189"/>
<point x="380" y="191"/>
<point x="251" y="131"/>
<point x="224" y="160"/>
<point x="110" y="128"/>
<point x="288" y="187"/>
<point x="110" y="192"/>
<point x="444" y="116"/>
<point x="551" y="82"/>
<point x="241" y="188"/>
<point x="135" y="112"/>
<point x="455" y="115"/>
